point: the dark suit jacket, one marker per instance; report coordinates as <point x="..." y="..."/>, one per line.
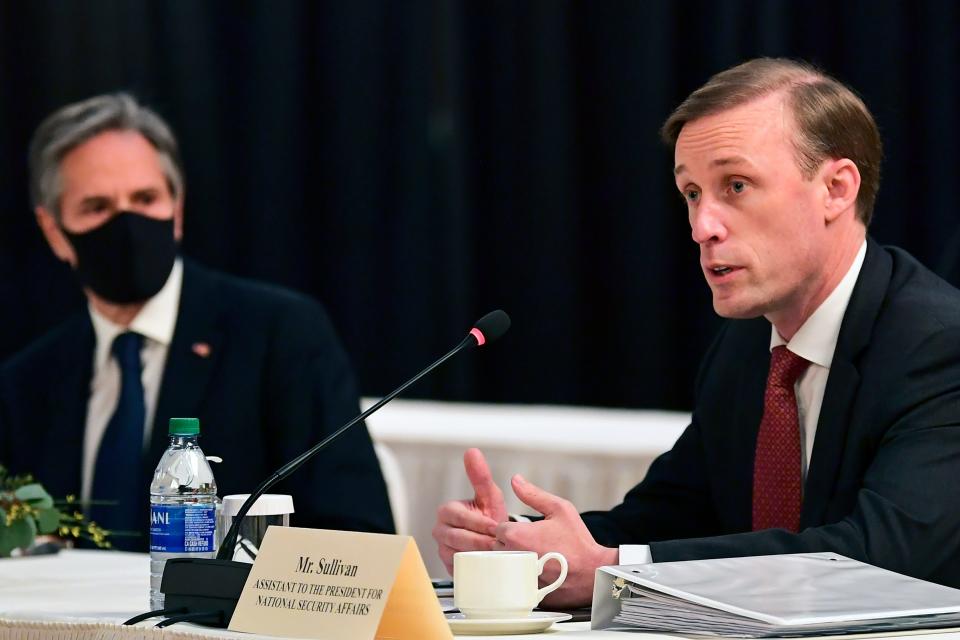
<point x="275" y="383"/>
<point x="883" y="484"/>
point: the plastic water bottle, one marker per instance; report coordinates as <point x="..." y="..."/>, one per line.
<point x="183" y="501"/>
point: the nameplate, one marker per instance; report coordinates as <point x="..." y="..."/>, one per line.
<point x="314" y="583"/>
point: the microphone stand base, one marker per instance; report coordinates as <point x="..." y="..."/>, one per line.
<point x="204" y="586"/>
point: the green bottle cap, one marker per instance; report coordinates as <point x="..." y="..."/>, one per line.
<point x="184" y="426"/>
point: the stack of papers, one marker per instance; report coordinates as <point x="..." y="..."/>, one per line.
<point x="808" y="594"/>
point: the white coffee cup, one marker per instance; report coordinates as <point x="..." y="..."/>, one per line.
<point x="501" y="584"/>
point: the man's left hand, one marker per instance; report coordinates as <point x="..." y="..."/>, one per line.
<point x="563" y="530"/>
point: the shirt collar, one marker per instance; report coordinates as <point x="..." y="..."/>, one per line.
<point x="816" y="339"/>
<point x="156" y="321"/>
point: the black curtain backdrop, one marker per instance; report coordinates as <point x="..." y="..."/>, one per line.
<point x="415" y="164"/>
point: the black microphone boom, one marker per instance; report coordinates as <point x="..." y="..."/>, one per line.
<point x="206" y="591"/>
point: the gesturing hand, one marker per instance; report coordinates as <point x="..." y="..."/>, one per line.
<point x="562" y="529"/>
<point x="468" y="525"/>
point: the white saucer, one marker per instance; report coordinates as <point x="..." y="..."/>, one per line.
<point x="536" y="622"/>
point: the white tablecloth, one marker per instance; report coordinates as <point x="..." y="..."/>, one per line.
<point x="85" y="595"/>
<point x="587" y="455"/>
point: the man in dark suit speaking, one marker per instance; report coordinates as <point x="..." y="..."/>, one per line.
<point x="86" y="407"/>
<point x="827" y="413"/>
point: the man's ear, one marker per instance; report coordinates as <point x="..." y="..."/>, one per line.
<point x="55" y="237"/>
<point x="842" y="181"/>
<point x="178" y="218"/>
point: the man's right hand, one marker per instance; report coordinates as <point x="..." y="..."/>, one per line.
<point x="469" y="525"/>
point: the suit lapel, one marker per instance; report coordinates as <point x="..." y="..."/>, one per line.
<point x="753" y="382"/>
<point x="192" y="357"/>
<point x="843" y="383"/>
<point x="69" y="396"/>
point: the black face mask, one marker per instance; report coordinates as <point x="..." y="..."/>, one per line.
<point x="127" y="259"/>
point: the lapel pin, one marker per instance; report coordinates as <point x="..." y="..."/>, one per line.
<point x="201" y="349"/>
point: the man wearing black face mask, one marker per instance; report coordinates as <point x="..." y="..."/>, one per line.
<point x="86" y="407"/>
<point x="126" y="260"/>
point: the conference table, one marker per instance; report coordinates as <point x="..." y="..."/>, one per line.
<point x="86" y="595"/>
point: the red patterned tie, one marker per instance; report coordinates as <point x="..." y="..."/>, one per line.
<point x="777" y="476"/>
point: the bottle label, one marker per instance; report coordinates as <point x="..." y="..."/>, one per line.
<point x="182" y="528"/>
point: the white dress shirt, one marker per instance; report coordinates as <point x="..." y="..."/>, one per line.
<point x="155" y="322"/>
<point x="815" y="340"/>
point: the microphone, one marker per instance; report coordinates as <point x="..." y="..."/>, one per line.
<point x="206" y="591"/>
<point x="490" y="327"/>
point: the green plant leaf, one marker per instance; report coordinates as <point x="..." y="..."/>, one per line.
<point x="48" y="520"/>
<point x="19" y="534"/>
<point x="35" y="495"/>
<point x="3" y="517"/>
